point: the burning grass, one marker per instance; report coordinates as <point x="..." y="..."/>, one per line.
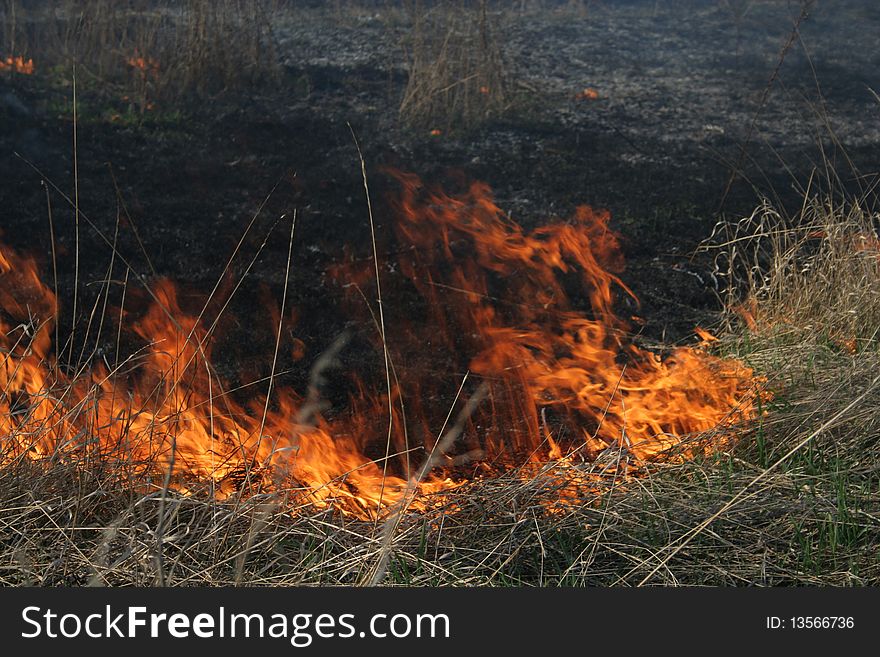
<point x="568" y="455"/>
<point x="559" y="378"/>
<point x="578" y="458"/>
<point x="811" y="521"/>
<point x="568" y="414"/>
<point x="17" y="65"/>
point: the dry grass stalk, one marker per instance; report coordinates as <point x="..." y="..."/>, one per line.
<point x="456" y="72"/>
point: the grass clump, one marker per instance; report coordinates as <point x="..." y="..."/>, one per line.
<point x="457" y="78"/>
<point x="803" y="294"/>
<point x="812" y="277"/>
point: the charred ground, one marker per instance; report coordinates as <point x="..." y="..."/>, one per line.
<point x="680" y="86"/>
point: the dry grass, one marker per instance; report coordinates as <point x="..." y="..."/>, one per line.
<point x="803" y="294"/>
<point x="812" y="520"/>
<point x="795" y="501"/>
<point x="150" y="51"/>
<point x="808" y="277"/>
<point x="457" y="77"/>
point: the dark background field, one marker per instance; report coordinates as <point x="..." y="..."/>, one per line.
<point x="689" y="92"/>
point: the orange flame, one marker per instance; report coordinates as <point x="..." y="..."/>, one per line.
<point x="850" y="345"/>
<point x="560" y="377"/>
<point x="542" y="350"/>
<point x="18" y="65"/>
<point x="587" y="94"/>
<point x="867" y="244"/>
<point x="706" y="337"/>
<point x="748" y="312"/>
<point x="146" y="65"/>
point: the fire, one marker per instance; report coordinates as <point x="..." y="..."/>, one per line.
<point x="541" y="350"/>
<point x="528" y="314"/>
<point x="748" y="312"/>
<point x="18" y="65"/>
<point x="706" y="337"/>
<point x="171" y="415"/>
<point x="867" y="244"/>
<point x="146" y="65"/>
<point x="587" y="94"/>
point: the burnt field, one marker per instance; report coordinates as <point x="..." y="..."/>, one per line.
<point x="304" y="292"/>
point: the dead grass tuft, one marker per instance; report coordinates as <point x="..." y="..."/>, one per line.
<point x="457" y="77"/>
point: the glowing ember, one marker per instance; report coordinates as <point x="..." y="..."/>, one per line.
<point x="553" y="375"/>
<point x="748" y="311"/>
<point x="146" y="65"/>
<point x="17" y="65"/>
<point x="587" y="94"/>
